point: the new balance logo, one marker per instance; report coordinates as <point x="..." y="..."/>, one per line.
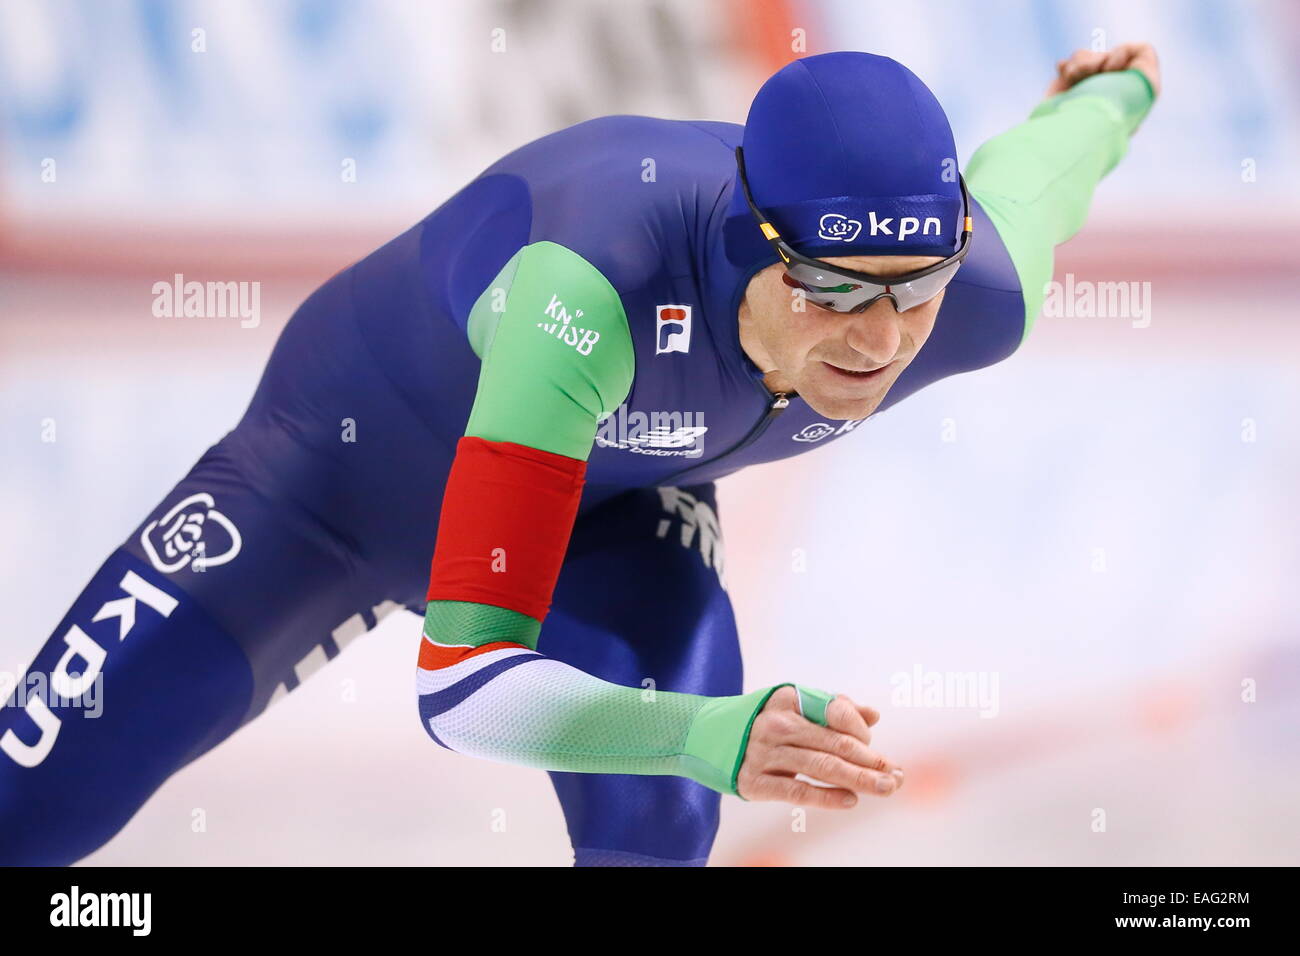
<point x="664" y="434"/>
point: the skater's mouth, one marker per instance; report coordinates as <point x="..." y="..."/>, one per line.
<point x="856" y="375"/>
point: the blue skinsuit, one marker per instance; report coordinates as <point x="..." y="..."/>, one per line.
<point x="308" y="539"/>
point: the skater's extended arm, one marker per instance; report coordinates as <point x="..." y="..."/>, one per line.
<point x="1036" y="180"/>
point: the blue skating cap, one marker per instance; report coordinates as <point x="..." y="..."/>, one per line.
<point x="847" y="154"/>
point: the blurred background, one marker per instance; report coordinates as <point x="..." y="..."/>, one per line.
<point x="1098" y="532"/>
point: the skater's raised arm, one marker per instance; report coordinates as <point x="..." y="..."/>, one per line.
<point x="1036" y="180"/>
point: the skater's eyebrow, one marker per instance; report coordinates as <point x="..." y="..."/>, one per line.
<point x="885" y="265"/>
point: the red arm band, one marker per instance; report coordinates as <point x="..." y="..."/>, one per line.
<point x="507" y="514"/>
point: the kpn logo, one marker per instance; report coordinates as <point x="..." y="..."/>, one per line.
<point x="192" y="532"/>
<point x="672" y="328"/>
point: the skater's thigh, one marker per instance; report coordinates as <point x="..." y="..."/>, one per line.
<point x="288" y="539"/>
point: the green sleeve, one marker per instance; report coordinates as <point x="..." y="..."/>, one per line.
<point x="556" y="351"/>
<point x="556" y="354"/>
<point x="551" y="716"/>
<point x="1036" y="180"/>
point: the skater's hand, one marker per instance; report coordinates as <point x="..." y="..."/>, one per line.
<point x="1085" y="63"/>
<point x="783" y="743"/>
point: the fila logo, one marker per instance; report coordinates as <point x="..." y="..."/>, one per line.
<point x="672" y="328"/>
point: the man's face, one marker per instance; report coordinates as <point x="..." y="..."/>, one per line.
<point x="842" y="364"/>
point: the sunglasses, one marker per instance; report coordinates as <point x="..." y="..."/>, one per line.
<point x="844" y="290"/>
